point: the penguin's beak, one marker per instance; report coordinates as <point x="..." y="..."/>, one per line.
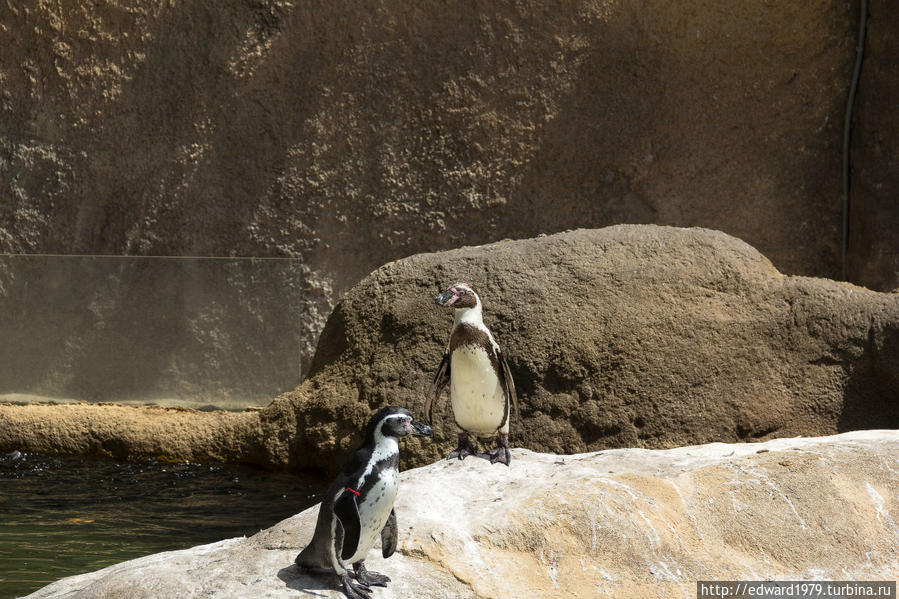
<point x="446" y="298"/>
<point x="420" y="429"/>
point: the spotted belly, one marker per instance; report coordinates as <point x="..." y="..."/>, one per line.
<point x="374" y="510"/>
<point x="476" y="393"/>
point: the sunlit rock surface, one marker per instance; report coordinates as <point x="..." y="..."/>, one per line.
<point x="623" y="523"/>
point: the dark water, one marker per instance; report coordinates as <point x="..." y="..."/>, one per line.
<point x="67" y="515"/>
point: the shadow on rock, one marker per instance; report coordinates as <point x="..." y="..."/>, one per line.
<point x="871" y="398"/>
<point x="296" y="580"/>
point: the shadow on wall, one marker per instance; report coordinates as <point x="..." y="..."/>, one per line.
<point x="872" y="389"/>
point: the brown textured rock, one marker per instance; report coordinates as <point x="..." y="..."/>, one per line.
<point x="629" y="336"/>
<point x="620" y="523"/>
<point x="136" y="433"/>
<point x="349" y="135"/>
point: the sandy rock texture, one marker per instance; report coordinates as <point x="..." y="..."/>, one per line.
<point x="619" y="523"/>
<point x="628" y="336"/>
<point x="141" y="432"/>
<point x="349" y="135"/>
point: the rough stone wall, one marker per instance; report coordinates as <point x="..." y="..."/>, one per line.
<point x="349" y="135"/>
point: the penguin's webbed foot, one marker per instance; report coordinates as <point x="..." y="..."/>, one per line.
<point x="464" y="449"/>
<point x="461" y="453"/>
<point x="501" y="454"/>
<point x="353" y="590"/>
<point x="368" y="577"/>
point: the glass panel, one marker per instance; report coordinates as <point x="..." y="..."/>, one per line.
<point x="198" y="332"/>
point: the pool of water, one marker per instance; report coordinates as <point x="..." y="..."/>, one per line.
<point x="67" y="515"/>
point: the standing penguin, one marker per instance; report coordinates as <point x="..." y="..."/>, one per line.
<point x="481" y="385"/>
<point x="358" y="507"/>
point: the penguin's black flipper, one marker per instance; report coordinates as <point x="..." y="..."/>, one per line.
<point x="389" y="536"/>
<point x="440" y="381"/>
<point x="347" y="511"/>
<point x="508" y="382"/>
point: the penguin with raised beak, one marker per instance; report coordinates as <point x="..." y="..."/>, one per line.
<point x="481" y="385"/>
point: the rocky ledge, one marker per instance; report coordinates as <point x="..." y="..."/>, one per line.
<point x="621" y="522"/>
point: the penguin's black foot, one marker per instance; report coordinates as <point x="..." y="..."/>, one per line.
<point x="461" y="453"/>
<point x="353" y="590"/>
<point x="464" y="449"/>
<point x="369" y="578"/>
<point x="501" y="454"/>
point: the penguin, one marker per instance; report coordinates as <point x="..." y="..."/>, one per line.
<point x="358" y="506"/>
<point x="481" y="385"/>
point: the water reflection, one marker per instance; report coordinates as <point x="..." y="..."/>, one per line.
<point x="67" y="515"/>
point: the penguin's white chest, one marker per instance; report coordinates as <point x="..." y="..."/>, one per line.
<point x="374" y="510"/>
<point x="476" y="393"/>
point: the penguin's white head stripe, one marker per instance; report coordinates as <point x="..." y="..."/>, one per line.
<point x="461" y="296"/>
<point x="392" y="422"/>
<point x="380" y="426"/>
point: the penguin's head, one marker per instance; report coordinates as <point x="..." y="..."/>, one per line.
<point x="394" y="421"/>
<point x="459" y="296"/>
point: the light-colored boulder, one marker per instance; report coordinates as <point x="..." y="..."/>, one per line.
<point x="622" y="523"/>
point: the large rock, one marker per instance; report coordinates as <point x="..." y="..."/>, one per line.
<point x="618" y="523"/>
<point x="629" y="336"/>
<point x="349" y="137"/>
